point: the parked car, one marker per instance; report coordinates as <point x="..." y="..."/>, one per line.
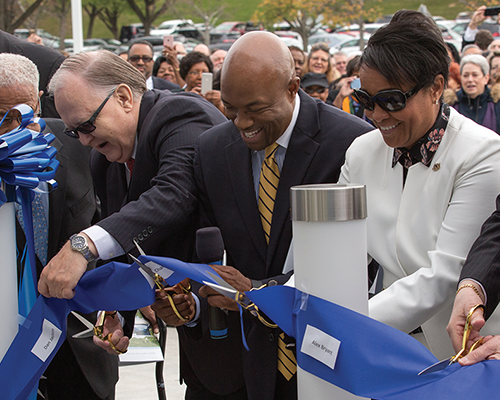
<point x="351" y="45"/>
<point x="169" y="27"/>
<point x="47" y="39"/>
<point x="331" y="39"/>
<point x="131" y="31"/>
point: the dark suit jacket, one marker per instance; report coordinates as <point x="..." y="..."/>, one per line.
<point x="483" y="261"/>
<point x="161" y="84"/>
<point x="72" y="207"/>
<point x="46" y="59"/>
<point x="159" y="209"/>
<point x="223" y="174"/>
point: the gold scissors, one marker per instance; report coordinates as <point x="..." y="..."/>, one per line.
<point x="161" y="284"/>
<point x="468" y="327"/>
<point x="440" y="365"/>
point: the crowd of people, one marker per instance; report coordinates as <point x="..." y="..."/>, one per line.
<point x="407" y="118"/>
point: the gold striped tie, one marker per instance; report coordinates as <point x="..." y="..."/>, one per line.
<point x="268" y="185"/>
<point x="287" y="364"/>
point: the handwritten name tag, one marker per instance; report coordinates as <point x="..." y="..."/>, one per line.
<point x="47" y="341"/>
<point x="158" y="269"/>
<point x="320" y="346"/>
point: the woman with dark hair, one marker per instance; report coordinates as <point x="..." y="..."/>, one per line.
<point x="431" y="175"/>
<point x="191" y="69"/>
<point x="319" y="62"/>
<point x="163" y="69"/>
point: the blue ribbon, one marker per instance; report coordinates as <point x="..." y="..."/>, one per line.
<point x="114" y="286"/>
<point x="27" y="160"/>
<point x="374" y="360"/>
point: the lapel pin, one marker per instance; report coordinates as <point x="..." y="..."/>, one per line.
<point x="436" y="167"/>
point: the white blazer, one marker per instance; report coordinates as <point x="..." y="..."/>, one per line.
<point x="421" y="234"/>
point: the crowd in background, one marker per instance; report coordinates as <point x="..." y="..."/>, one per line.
<point x="166" y="161"/>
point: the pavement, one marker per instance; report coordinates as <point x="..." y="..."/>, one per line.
<point x="138" y="382"/>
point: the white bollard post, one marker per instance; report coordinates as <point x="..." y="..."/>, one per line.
<point x="329" y="253"/>
<point x="77" y="25"/>
<point x="8" y="272"/>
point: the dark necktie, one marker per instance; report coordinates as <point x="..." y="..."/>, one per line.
<point x="130" y="165"/>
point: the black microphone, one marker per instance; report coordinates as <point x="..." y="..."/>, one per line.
<point x="210" y="249"/>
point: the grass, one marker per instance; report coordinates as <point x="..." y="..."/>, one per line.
<point x="242" y="10"/>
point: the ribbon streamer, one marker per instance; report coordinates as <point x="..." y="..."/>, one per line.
<point x="114" y="286"/>
<point x="374" y="359"/>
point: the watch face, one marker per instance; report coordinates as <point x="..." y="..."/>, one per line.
<point x="78" y="242"/>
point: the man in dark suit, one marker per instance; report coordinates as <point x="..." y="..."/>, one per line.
<point x="260" y="92"/>
<point x="151" y="200"/>
<point x="80" y="370"/>
<point x="479" y="284"/>
<point x="140" y="55"/>
<point x="46" y="59"/>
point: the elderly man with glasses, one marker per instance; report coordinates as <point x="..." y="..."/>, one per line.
<point x="143" y="143"/>
<point x="140" y="55"/>
<point x="80" y="370"/>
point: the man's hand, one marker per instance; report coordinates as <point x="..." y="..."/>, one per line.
<point x="465" y="299"/>
<point x="120" y="342"/>
<point x="489" y="350"/>
<point x="150" y="315"/>
<point x="477" y="18"/>
<point x="232" y="276"/>
<point x="62" y="273"/>
<point x="184" y="303"/>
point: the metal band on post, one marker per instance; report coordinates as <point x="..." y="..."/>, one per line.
<point x="329" y="252"/>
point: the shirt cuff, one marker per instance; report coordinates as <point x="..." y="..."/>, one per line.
<point x="106" y="245"/>
<point x="478" y="284"/>
<point x="194" y="321"/>
<point x="470" y="34"/>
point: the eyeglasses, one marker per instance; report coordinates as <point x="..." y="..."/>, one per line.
<point x="145" y="59"/>
<point x="16" y="117"/>
<point x="387" y="100"/>
<point x="88" y="126"/>
<point x="311" y="90"/>
<point x="196" y="72"/>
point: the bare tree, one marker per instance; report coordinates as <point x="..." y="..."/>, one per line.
<point x="61" y="10"/>
<point x="93" y="8"/>
<point x="110" y="13"/>
<point x="209" y="10"/>
<point x="152" y="10"/>
<point x="12" y="16"/>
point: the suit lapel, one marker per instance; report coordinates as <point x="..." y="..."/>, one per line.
<point x="299" y="155"/>
<point x="57" y="200"/>
<point x="238" y="157"/>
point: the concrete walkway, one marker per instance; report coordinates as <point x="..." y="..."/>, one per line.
<point x="138" y="382"/>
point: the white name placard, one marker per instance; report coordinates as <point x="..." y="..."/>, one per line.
<point x="47" y="341"/>
<point x="320" y="346"/>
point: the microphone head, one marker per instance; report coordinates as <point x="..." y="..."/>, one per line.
<point x="209" y="244"/>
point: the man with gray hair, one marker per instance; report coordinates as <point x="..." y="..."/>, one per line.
<point x="143" y="143"/>
<point x="80" y="370"/>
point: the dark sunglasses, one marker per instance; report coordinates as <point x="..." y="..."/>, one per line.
<point x="387" y="100"/>
<point x="146" y="59"/>
<point x="310" y="90"/>
<point x="88" y="126"/>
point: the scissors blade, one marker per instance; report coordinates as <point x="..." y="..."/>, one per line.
<point x="144" y="268"/>
<point x="87" y="332"/>
<point x="221" y="282"/>
<point x="439" y="366"/>
<point x="228" y="292"/>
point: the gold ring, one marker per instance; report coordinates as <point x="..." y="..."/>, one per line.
<point x="115" y="349"/>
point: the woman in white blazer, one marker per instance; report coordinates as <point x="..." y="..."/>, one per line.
<point x="431" y="174"/>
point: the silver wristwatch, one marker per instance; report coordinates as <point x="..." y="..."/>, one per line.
<point x="79" y="243"/>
